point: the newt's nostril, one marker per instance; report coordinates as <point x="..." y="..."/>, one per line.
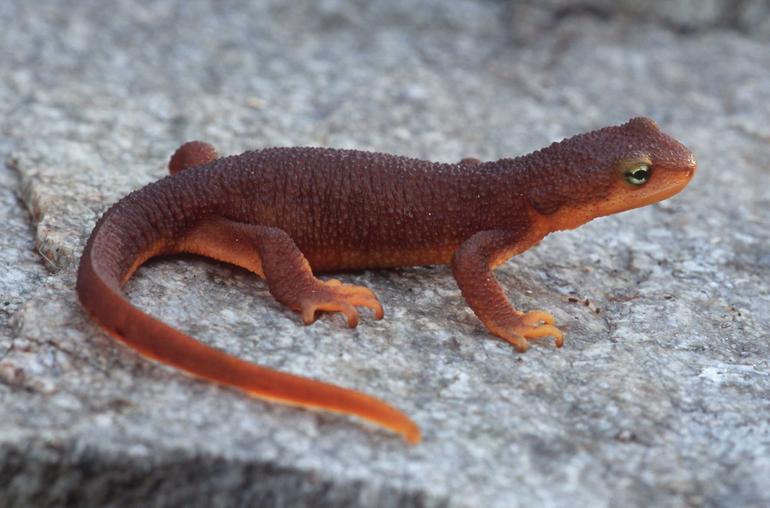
<point x="692" y="164"/>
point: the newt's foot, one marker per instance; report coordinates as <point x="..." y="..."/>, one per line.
<point x="334" y="296"/>
<point x="532" y="325"/>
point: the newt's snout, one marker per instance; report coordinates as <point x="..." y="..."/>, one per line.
<point x="675" y="161"/>
<point x="692" y="165"/>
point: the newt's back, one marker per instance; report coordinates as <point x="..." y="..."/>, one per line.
<point x="355" y="209"/>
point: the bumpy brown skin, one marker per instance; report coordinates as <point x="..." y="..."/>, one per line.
<point x="284" y="213"/>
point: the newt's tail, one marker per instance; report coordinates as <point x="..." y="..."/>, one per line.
<point x="129" y="234"/>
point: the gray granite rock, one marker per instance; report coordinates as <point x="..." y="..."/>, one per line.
<point x="21" y="267"/>
<point x="659" y="397"/>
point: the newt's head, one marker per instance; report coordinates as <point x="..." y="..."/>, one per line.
<point x="609" y="171"/>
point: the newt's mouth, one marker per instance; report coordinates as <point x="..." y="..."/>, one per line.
<point x="670" y="183"/>
<point x="674" y="180"/>
<point x="665" y="183"/>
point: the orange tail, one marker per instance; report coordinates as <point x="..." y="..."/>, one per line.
<point x="108" y="261"/>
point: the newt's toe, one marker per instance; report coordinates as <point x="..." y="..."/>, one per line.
<point x="334" y="296"/>
<point x="535" y="317"/>
<point x="310" y="311"/>
<point x="529" y="326"/>
<point x="540" y="331"/>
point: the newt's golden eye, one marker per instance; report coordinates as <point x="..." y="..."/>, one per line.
<point x="637" y="175"/>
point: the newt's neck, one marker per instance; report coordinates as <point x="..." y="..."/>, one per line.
<point x="529" y="196"/>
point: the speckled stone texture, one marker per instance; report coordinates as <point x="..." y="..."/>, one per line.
<point x="659" y="396"/>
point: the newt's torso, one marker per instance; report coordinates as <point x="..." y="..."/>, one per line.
<point x="348" y="209"/>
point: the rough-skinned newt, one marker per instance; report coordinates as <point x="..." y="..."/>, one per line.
<point x="285" y="213"/>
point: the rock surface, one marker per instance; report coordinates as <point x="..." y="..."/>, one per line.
<point x="659" y="397"/>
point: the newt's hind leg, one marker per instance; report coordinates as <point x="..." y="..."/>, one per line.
<point x="272" y="254"/>
<point x="191" y="154"/>
<point x="471" y="266"/>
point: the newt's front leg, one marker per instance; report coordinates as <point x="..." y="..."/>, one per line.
<point x="471" y="266"/>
